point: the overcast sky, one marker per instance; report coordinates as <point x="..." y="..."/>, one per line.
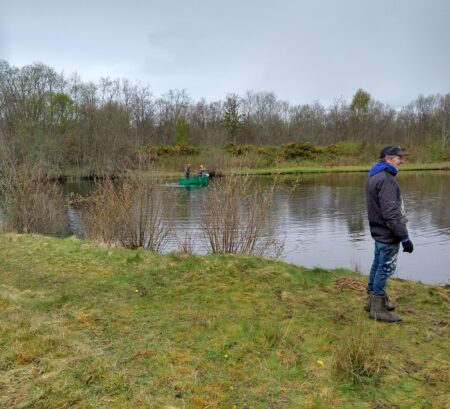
<point x="301" y="50"/>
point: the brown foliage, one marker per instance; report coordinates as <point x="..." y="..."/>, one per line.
<point x="31" y="203"/>
<point x="235" y="218"/>
<point x="132" y="214"/>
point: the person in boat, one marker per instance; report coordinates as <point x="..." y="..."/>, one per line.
<point x="387" y="223"/>
<point x="187" y="171"/>
<point x="202" y="171"/>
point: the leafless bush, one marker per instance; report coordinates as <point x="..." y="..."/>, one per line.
<point x="134" y="213"/>
<point x="236" y="218"/>
<point x="31" y="203"/>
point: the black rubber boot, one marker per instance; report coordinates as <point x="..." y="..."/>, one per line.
<point x="378" y="310"/>
<point x="389" y="307"/>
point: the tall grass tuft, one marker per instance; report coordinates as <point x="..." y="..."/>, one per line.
<point x="133" y="213"/>
<point x="236" y="218"/>
<point x="31" y="202"/>
<point x="357" y="354"/>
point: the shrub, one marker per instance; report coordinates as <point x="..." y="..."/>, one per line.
<point x="348" y="148"/>
<point x="434" y="151"/>
<point x="170" y="150"/>
<point x="235" y="218"/>
<point x="237" y="150"/>
<point x="182" y="150"/>
<point x="269" y="154"/>
<point x="299" y="150"/>
<point x="31" y="202"/>
<point x="132" y="214"/>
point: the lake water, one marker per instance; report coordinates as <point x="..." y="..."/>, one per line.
<point x="323" y="221"/>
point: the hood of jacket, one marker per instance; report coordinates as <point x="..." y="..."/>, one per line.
<point x="380" y="167"/>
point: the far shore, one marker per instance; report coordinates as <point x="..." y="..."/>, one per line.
<point x="267" y="171"/>
<point x="337" y="169"/>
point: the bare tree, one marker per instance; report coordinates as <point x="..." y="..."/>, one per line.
<point x="443" y="118"/>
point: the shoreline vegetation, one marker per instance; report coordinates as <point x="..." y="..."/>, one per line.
<point x="297" y="170"/>
<point x="445" y="166"/>
<point x="73" y="175"/>
<point x="291" y="158"/>
<point x="335" y="169"/>
<point x="85" y="325"/>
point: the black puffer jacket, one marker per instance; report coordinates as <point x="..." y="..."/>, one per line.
<point x="385" y="208"/>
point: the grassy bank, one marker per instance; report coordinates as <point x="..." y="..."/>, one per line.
<point x="312" y="168"/>
<point x="88" y="327"/>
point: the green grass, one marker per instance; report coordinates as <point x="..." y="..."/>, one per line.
<point x="314" y="168"/>
<point x="88" y="327"/>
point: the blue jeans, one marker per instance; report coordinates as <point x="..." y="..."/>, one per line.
<point x="383" y="266"/>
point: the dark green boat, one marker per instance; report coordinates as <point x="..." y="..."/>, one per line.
<point x="194" y="181"/>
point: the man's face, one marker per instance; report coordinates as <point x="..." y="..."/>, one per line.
<point x="395" y="160"/>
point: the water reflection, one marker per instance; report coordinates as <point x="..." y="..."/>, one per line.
<point x="323" y="220"/>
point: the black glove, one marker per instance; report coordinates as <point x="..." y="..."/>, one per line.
<point x="408" y="246"/>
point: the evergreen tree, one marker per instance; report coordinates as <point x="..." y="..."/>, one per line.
<point x="360" y="102"/>
<point x="232" y="118"/>
<point x="181" y="131"/>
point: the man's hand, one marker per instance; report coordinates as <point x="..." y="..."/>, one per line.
<point x="407" y="245"/>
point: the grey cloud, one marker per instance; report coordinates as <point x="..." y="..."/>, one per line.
<point x="301" y="50"/>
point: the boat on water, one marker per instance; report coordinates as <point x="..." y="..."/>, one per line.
<point x="194" y="181"/>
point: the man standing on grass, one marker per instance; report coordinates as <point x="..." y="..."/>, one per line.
<point x="387" y="223"/>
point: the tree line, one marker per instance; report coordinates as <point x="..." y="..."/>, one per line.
<point x="99" y="125"/>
